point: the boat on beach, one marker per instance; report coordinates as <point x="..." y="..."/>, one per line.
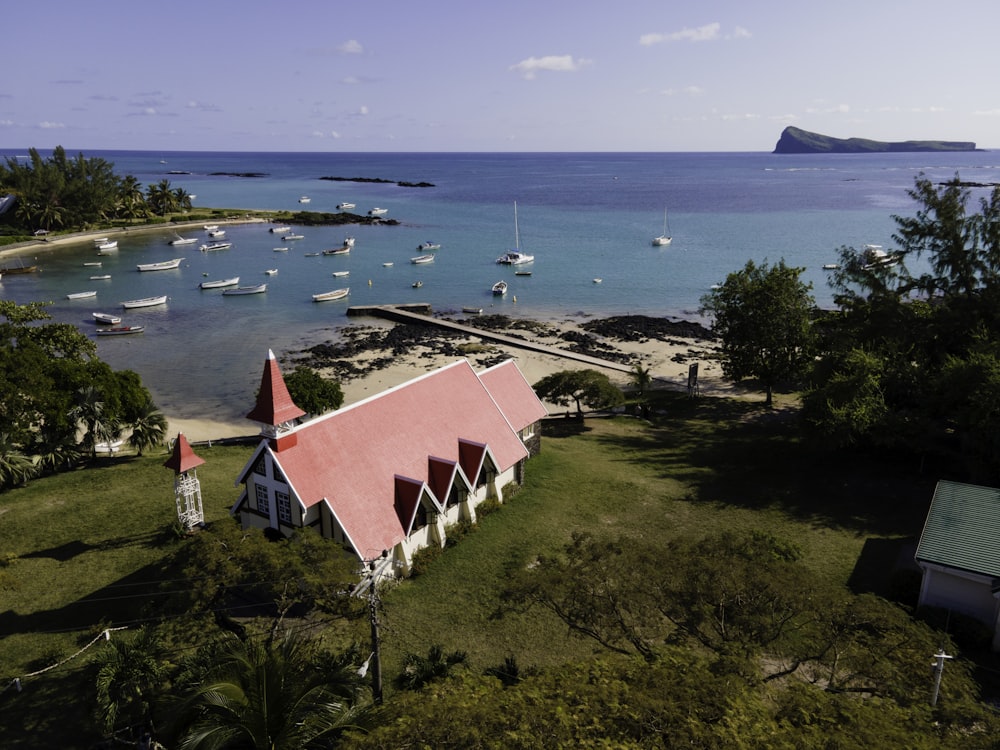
<point x="106" y="319"/>
<point x="420" y="259"/>
<point x="241" y="290"/>
<point x="212" y="246"/>
<point x="119" y="330"/>
<point x="82" y="295"/>
<point x="665" y="238"/>
<point x="219" y="283"/>
<point x="500" y="288"/>
<point x="163" y="265"/>
<point x="332" y="295"/>
<point x="144" y="302"/>
<point x="183" y="240"/>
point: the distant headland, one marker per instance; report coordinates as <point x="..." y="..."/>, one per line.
<point x="798" y="141"/>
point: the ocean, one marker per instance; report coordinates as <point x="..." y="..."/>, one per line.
<point x="583" y="216"/>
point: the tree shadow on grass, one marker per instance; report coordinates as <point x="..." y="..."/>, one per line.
<point x="739" y="453"/>
<point x="69" y="550"/>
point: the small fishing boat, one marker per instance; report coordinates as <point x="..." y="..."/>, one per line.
<point x="106" y="319"/>
<point x="101" y="277"/>
<point x="19" y="268"/>
<point x="82" y="295"/>
<point x="211" y="227"/>
<point x="271" y="271"/>
<point x="500" y="288"/>
<point x="305" y="199"/>
<point x="522" y="273"/>
<point x="831" y="266"/>
<point x="119" y="330"/>
<point x="145" y="302"/>
<point x="163" y="265"/>
<point x="183" y="240"/>
<point x="256" y="289"/>
<point x="378" y="211"/>
<point x="472" y="310"/>
<point x="387" y="265"/>
<point x="335" y="294"/>
<point x="216" y="233"/>
<point x="280" y="230"/>
<point x="417" y="284"/>
<point x="422" y="259"/>
<point x="348" y="241"/>
<point x="338" y="274"/>
<point x="109" y="245"/>
<point x="345" y="206"/>
<point x="219" y="283"/>
<point x="288" y="237"/>
<point x="280" y="249"/>
<point x="311" y="255"/>
<point x="93" y="263"/>
<point x="212" y="246"/>
<point x="342" y="250"/>
<point x="598" y="280"/>
<point x="100" y="240"/>
<point x="425" y="246"/>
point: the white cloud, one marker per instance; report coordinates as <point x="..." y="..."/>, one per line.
<point x="842" y="109"/>
<point x="987" y="113"/>
<point x="708" y="32"/>
<point x="740" y="33"/>
<point x="684" y="91"/>
<point x="744" y="116"/>
<point x="6" y="123"/>
<point x="530" y="67"/>
<point x="334" y="134"/>
<point x="50" y="125"/>
<point x="351" y="47"/>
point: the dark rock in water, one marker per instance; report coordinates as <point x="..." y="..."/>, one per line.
<point x="797" y="141"/>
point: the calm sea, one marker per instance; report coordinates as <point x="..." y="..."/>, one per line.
<point x="583" y="217"/>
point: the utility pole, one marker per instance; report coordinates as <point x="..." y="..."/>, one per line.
<point x="938" y="665"/>
<point x="374" y="569"/>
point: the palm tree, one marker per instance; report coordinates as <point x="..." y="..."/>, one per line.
<point x="641" y="379"/>
<point x="251" y="696"/>
<point x="419" y="670"/>
<point x="99" y="427"/>
<point x="160" y="198"/>
<point x="149" y="428"/>
<point x="15" y="466"/>
<point x="131" y="203"/>
<point x="129" y="673"/>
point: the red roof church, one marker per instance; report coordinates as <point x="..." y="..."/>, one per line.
<point x="392" y="472"/>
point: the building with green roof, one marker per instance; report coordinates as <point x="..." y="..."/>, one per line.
<point x="959" y="552"/>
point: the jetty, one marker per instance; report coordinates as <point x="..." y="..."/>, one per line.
<point x="420" y="314"/>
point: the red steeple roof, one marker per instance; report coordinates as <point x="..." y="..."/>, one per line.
<point x="183" y="458"/>
<point x="274" y="404"/>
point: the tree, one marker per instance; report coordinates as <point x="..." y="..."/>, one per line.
<point x="311" y="392"/>
<point x="251" y="696"/>
<point x="762" y="315"/>
<point x="641" y="379"/>
<point x="419" y="670"/>
<point x="148" y="427"/>
<point x="583" y="387"/>
<point x="129" y="674"/>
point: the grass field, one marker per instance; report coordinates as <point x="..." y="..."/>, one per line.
<point x="75" y="548"/>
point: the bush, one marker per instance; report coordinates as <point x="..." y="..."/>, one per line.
<point x="487" y="506"/>
<point x="454" y="533"/>
<point x="423" y="558"/>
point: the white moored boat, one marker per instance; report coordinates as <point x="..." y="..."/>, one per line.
<point x="288" y="237"/>
<point x="212" y="246"/>
<point x="280" y="230"/>
<point x="219" y="283"/>
<point x="345" y="206"/>
<point x="119" y="330"/>
<point x="338" y="274"/>
<point x="163" y="265"/>
<point x="335" y="294"/>
<point x="342" y="250"/>
<point x="183" y="240"/>
<point x="425" y="246"/>
<point x="500" y="288"/>
<point x="665" y="238"/>
<point x="101" y="277"/>
<point x="106" y="319"/>
<point x="305" y="199"/>
<point x="145" y="302"/>
<point x="211" y="227"/>
<point x="108" y="245"/>
<point x="256" y="289"/>
<point x="515" y="257"/>
<point x="422" y="259"/>
<point x="378" y="211"/>
<point x="81" y="295"/>
<point x="216" y="233"/>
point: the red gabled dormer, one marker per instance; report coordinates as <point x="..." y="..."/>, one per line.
<point x="275" y="409"/>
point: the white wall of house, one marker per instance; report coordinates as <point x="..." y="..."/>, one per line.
<point x="961" y="591"/>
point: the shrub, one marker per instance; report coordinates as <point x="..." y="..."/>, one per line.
<point x="423" y="558"/>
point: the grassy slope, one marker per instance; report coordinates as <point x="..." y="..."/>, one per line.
<point x="706" y="465"/>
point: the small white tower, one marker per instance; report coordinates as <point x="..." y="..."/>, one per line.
<point x="187" y="488"/>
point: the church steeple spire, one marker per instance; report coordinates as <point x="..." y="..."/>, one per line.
<point x="275" y="409"/>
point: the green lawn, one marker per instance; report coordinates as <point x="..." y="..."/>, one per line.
<point x="79" y="550"/>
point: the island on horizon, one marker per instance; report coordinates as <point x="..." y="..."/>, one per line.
<point x="797" y="141"/>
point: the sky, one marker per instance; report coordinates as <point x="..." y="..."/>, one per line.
<point x="475" y="76"/>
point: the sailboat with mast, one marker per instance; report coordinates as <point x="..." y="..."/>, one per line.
<point x="665" y="238"/>
<point x="515" y="257"/>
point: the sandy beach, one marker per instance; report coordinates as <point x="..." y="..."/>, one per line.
<point x="374" y="356"/>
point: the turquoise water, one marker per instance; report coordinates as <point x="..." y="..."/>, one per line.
<point x="583" y="216"/>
